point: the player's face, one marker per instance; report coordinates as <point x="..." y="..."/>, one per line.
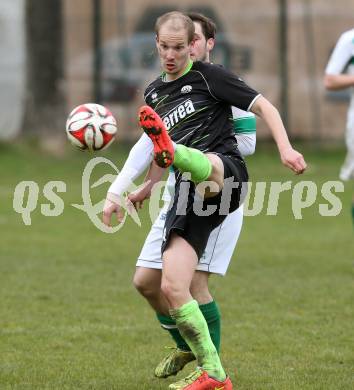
<point x="174" y="50"/>
<point x="201" y="46"/>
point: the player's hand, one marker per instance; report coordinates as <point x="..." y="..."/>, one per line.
<point x="112" y="206"/>
<point x="142" y="193"/>
<point x="293" y="160"/>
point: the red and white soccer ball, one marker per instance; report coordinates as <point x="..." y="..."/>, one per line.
<point x="91" y="126"/>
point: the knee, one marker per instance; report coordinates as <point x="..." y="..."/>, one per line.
<point x="202" y="297"/>
<point x="217" y="172"/>
<point x="146" y="287"/>
<point x="171" y="291"/>
<point x="200" y="289"/>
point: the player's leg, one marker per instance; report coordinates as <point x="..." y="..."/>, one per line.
<point x="179" y="262"/>
<point x="200" y="289"/>
<point x="201" y="166"/>
<point x="180" y="356"/>
<point x="216" y="260"/>
<point x="207" y="305"/>
<point x="148" y="281"/>
<point x="188" y="316"/>
<point x="350" y="147"/>
<point x="147" y="278"/>
<point x="347" y="169"/>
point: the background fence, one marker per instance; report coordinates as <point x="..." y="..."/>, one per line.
<point x="104" y="51"/>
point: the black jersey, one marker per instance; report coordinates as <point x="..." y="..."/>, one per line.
<point x="196" y="107"/>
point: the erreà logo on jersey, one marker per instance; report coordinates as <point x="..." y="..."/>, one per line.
<point x="180" y="112"/>
<point x="154" y="97"/>
<point x="186" y="89"/>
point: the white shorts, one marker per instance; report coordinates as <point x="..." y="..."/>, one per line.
<point x="217" y="256"/>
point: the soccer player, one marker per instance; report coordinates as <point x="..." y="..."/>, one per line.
<point x="339" y="74"/>
<point x="199" y="119"/>
<point x="221" y="243"/>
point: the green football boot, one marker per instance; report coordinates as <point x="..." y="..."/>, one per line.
<point x="173" y="363"/>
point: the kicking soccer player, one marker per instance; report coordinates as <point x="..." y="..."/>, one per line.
<point x="340" y="75"/>
<point x="200" y="119"/>
<point x="222" y="240"/>
<point x="221" y="243"/>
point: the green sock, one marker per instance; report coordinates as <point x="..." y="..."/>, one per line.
<point x="194" y="329"/>
<point x="169" y="324"/>
<point x="212" y="316"/>
<point x="193" y="161"/>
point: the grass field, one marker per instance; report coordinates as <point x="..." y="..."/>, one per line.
<point x="70" y="318"/>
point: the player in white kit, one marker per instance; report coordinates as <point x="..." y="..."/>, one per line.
<point x="339" y="74"/>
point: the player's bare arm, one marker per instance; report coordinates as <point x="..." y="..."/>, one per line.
<point x="335" y="82"/>
<point x="153" y="176"/>
<point x="289" y="156"/>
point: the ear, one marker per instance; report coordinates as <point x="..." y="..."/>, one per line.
<point x="157" y="41"/>
<point x="210" y="44"/>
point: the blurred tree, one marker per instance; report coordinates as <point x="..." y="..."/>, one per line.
<point x="45" y="108"/>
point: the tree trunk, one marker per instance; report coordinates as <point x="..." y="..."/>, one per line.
<point x="45" y="108"/>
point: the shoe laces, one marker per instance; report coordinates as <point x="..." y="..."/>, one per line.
<point x="175" y="350"/>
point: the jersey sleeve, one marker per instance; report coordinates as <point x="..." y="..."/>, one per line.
<point x="140" y="156"/>
<point x="244" y="124"/>
<point x="228" y="87"/>
<point x="246" y="143"/>
<point x="342" y="54"/>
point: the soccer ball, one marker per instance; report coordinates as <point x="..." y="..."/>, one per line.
<point x="91" y="126"/>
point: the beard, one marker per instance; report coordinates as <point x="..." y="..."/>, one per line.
<point x="202" y="56"/>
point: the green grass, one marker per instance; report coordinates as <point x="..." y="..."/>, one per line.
<point x="70" y="318"/>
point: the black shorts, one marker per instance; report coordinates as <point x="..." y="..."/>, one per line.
<point x="193" y="218"/>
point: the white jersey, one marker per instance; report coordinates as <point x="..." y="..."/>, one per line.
<point x="244" y="124"/>
<point x="342" y="61"/>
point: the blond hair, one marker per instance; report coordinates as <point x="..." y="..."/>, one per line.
<point x="176" y="16"/>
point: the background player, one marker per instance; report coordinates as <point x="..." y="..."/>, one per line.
<point x="340" y="75"/>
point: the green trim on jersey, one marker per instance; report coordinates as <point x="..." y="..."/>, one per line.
<point x="351" y="62"/>
<point x="245" y="125"/>
<point x="199" y="139"/>
<point x="189" y="67"/>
